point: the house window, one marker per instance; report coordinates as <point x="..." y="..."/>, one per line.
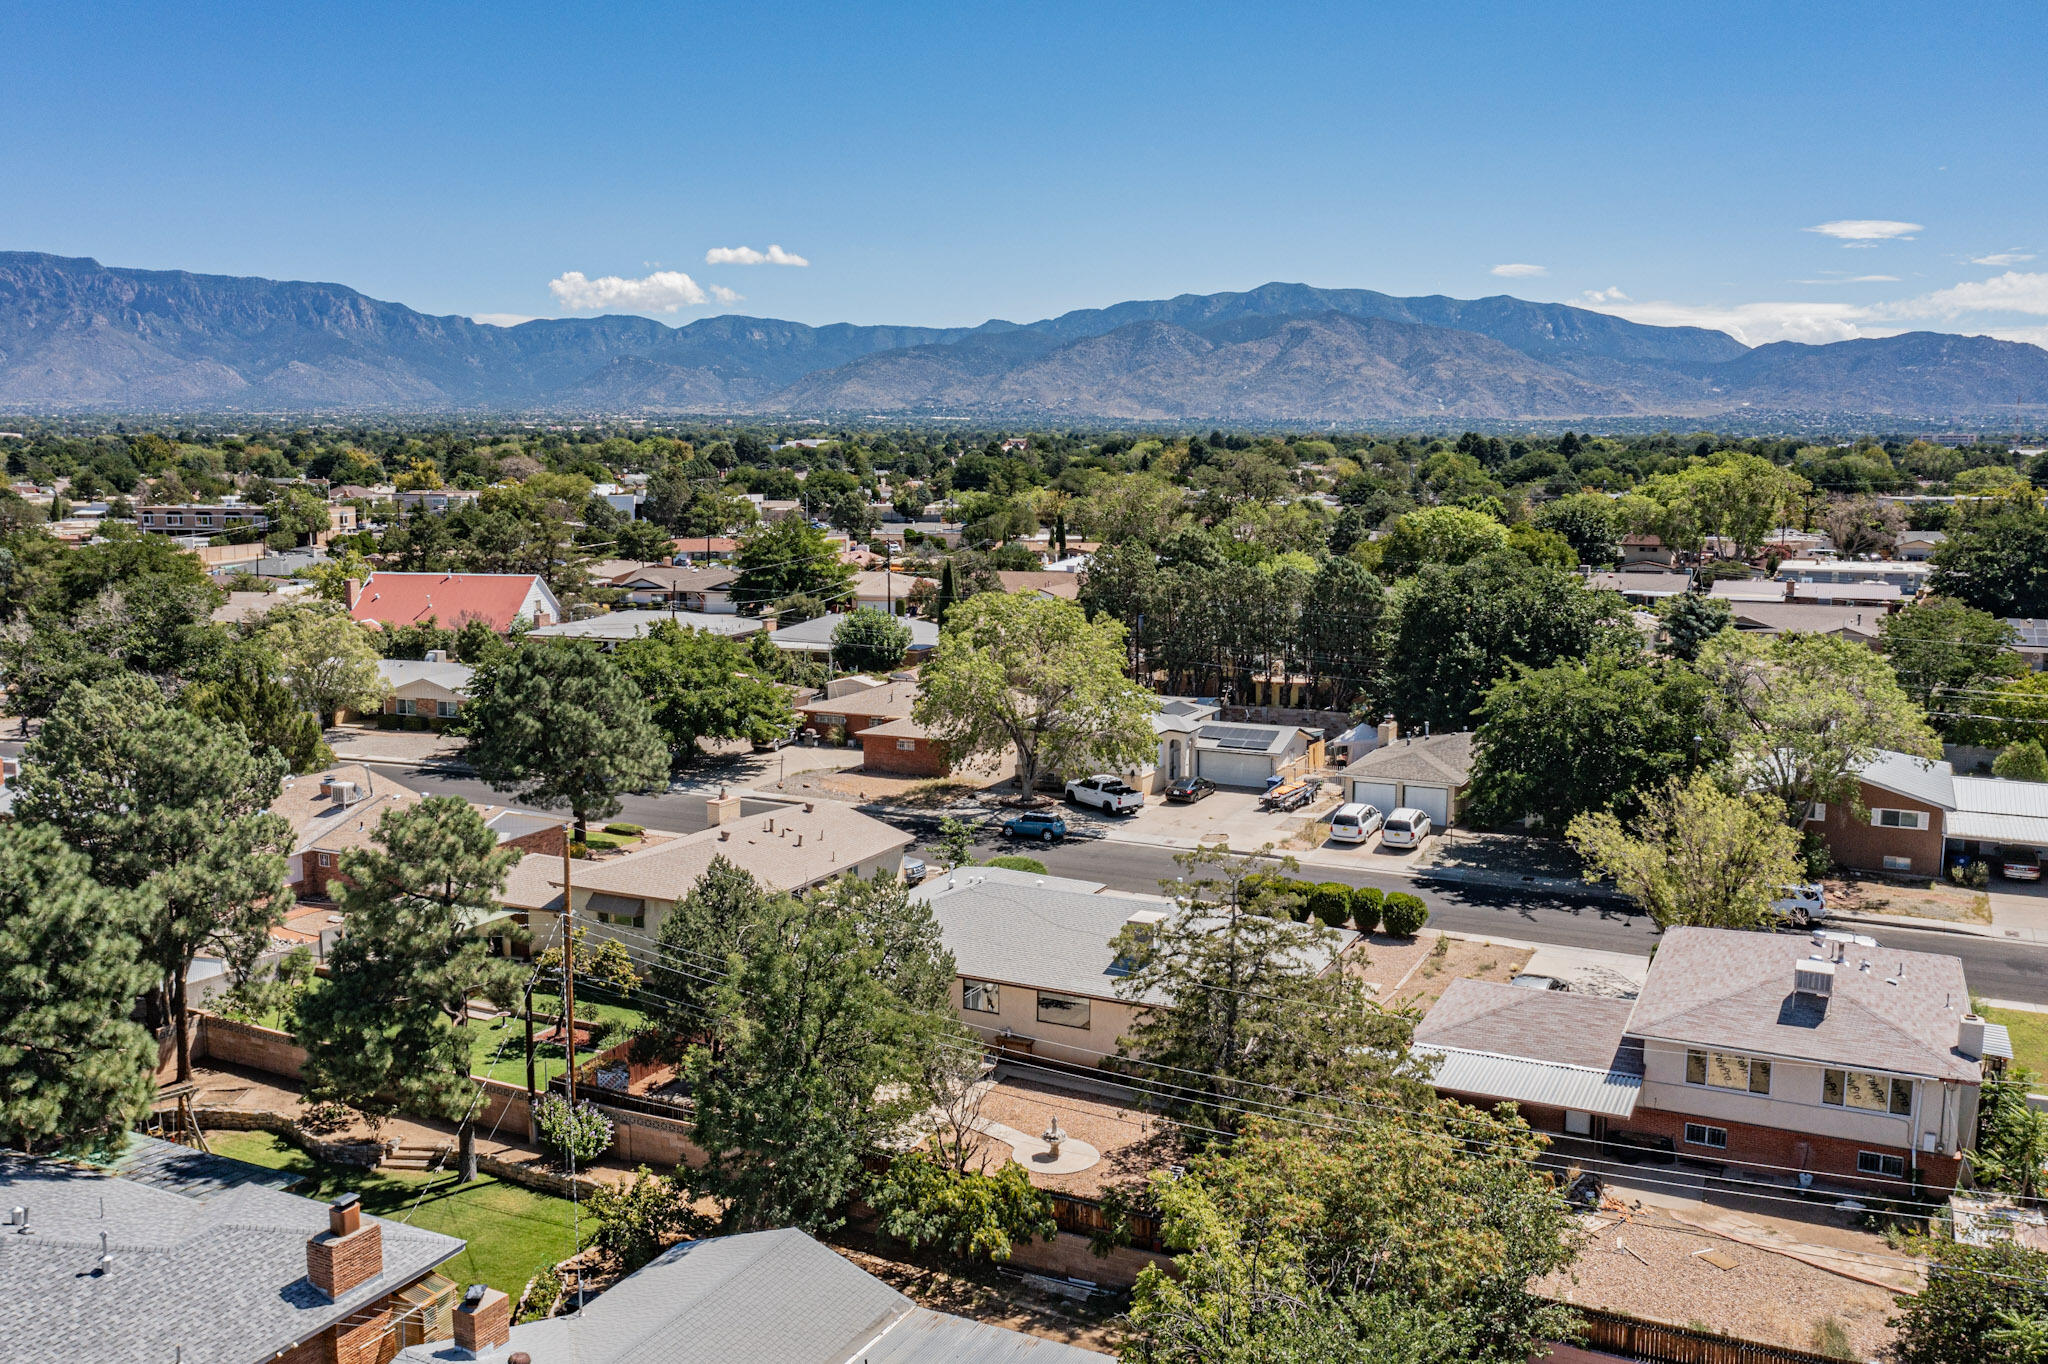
<point x="1817" y="813"/>
<point x="406" y="707"/>
<point x="1069" y="1011"/>
<point x="623" y="911"/>
<point x="1899" y="819"/>
<point x="978" y="996"/>
<point x="1893" y="862"/>
<point x="326" y="859"/>
<point x="1861" y="1089"/>
<point x="906" y="745"/>
<point x="1726" y="1070"/>
<point x="1878" y="1163"/>
<point x="445" y="709"/>
<point x="1699" y="1134"/>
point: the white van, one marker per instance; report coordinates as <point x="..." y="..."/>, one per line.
<point x="1405" y="828"/>
<point x="1354" y="823"/>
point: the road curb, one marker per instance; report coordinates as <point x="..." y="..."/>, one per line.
<point x="1911" y="924"/>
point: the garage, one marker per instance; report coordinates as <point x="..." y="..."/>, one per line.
<point x="1226" y="767"/>
<point x="1381" y="795"/>
<point x="1429" y="772"/>
<point x="1434" y="801"/>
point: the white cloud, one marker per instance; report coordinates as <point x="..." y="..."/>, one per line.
<point x="2014" y="291"/>
<point x="1518" y="270"/>
<point x="499" y="319"/>
<point x="1867" y="231"/>
<point x="1750" y="323"/>
<point x="725" y="295"/>
<point x="1593" y="298"/>
<point x="2003" y="258"/>
<point x="664" y="291"/>
<point x="747" y="255"/>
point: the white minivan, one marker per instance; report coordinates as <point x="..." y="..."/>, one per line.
<point x="1405" y="828"/>
<point x="1354" y="823"/>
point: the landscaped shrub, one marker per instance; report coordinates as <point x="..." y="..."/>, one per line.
<point x="628" y="830"/>
<point x="577" y="1135"/>
<point x="1012" y="863"/>
<point x="1331" y="902"/>
<point x="1403" y="915"/>
<point x="1365" y="907"/>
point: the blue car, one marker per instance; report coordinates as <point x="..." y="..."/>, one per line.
<point x="1045" y="828"/>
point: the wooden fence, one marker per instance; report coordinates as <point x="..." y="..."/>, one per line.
<point x="1653" y="1342"/>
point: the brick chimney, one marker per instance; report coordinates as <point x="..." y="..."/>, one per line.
<point x="483" y="1320"/>
<point x="348" y="1253"/>
<point x="722" y="808"/>
<point x="351" y="589"/>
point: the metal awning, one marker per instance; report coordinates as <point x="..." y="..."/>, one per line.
<point x="1585" y="1089"/>
<point x="1997" y="1041"/>
<point x="1984" y="826"/>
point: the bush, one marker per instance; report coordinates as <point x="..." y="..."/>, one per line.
<point x="1331" y="903"/>
<point x="1365" y="907"/>
<point x="1012" y="863"/>
<point x="576" y="1135"/>
<point x="1403" y="915"/>
<point x="634" y="1221"/>
<point x="628" y="830"/>
<point x="970" y="1215"/>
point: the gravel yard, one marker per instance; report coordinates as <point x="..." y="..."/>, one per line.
<point x="1407" y="971"/>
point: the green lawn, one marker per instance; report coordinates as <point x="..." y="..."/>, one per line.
<point x="512" y="1232"/>
<point x="2029" y="1039"/>
<point x="498" y="1049"/>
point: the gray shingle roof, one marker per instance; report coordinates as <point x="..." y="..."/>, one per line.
<point x="769" y="1297"/>
<point x="1445" y="758"/>
<point x="1889" y="1010"/>
<point x="618" y="625"/>
<point x="444" y="673"/>
<point x="1932" y="782"/>
<point x="816" y="633"/>
<point x="217" y="1269"/>
<point x="1540" y="1025"/>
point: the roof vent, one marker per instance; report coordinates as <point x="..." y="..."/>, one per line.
<point x="1814" y="976"/>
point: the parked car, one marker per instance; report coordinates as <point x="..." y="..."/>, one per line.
<point x="2019" y="864"/>
<point x="914" y="870"/>
<point x="1405" y="828"/>
<point x="782" y="740"/>
<point x="1188" y="790"/>
<point x="1113" y="795"/>
<point x="1288" y="795"/>
<point x="1355" y="822"/>
<point x="1043" y="827"/>
<point x="1801" y="905"/>
<point x="1529" y="982"/>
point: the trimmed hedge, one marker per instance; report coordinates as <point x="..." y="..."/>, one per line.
<point x="629" y="830"/>
<point x="1014" y="863"/>
<point x="1331" y="903"/>
<point x="1365" y="907"/>
<point x="1403" y="915"/>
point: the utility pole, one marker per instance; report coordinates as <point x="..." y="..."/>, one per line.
<point x="529" y="1045"/>
<point x="568" y="970"/>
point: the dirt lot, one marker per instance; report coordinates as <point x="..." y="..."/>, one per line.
<point x="1409" y="973"/>
<point x="1924" y="900"/>
<point x="1014" y="1306"/>
<point x="1132" y="1143"/>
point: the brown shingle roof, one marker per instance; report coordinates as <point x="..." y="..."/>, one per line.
<point x="892" y="699"/>
<point x="1443" y="758"/>
<point x="1540" y="1025"/>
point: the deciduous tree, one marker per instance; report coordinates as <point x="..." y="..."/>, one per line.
<point x="787" y="557"/>
<point x="1696" y="855"/>
<point x="325" y="658"/>
<point x="1946" y="653"/>
<point x="703" y="686"/>
<point x="869" y="641"/>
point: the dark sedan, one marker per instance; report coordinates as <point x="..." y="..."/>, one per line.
<point x="1188" y="790"/>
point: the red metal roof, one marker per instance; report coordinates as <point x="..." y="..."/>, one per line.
<point x="449" y="598"/>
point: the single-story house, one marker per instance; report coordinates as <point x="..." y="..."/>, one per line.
<point x="786" y="845"/>
<point x="708" y="590"/>
<point x="1431" y="773"/>
<point x="904" y="748"/>
<point x="453" y="599"/>
<point x="764" y="1297"/>
<point x="855" y="710"/>
<point x="1785" y="1058"/>
<point x="1917" y="546"/>
<point x="1909" y="578"/>
<point x="432" y="688"/>
<point x="2033" y="640"/>
<point x="435" y="500"/>
<point x="1647" y="551"/>
<point x="814" y="636"/>
<point x="1194" y="742"/>
<point x="1064" y="586"/>
<point x="1641" y="585"/>
<point x="614" y="627"/>
<point x="1037" y="972"/>
<point x="885" y="589"/>
<point x="1816" y="593"/>
<point x="1776" y="617"/>
<point x="1920" y="813"/>
<point x="178" y="1252"/>
<point x="705" y="548"/>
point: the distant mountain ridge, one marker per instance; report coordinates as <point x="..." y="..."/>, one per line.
<point x="77" y="335"/>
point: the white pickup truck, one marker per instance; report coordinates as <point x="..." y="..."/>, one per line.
<point x="1112" y="795"/>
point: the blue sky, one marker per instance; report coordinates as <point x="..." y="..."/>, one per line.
<point x="943" y="164"/>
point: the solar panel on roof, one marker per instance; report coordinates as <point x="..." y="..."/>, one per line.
<point x="1233" y="736"/>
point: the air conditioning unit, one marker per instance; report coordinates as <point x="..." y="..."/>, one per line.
<point x="1814" y="976"/>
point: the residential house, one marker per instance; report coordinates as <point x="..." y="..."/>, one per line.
<point x="1875" y="596"/>
<point x="431" y="689"/>
<point x="614" y="626"/>
<point x="786" y="845"/>
<point x="2033" y="640"/>
<point x="853" y="711"/>
<point x="1194" y="742"/>
<point x="903" y="747"/>
<point x="1432" y="773"/>
<point x="1918" y="546"/>
<point x="1647" y="551"/>
<point x="1790" y="1060"/>
<point x="1063" y="586"/>
<point x="705" y="548"/>
<point x="435" y="500"/>
<point x="182" y="1255"/>
<point x="1909" y="578"/>
<point x="814" y="636"/>
<point x="764" y="1297"/>
<point x="451" y="600"/>
<point x="886" y="589"/>
<point x="1919" y="815"/>
<point x="242" y="607"/>
<point x="1037" y="972"/>
<point x="705" y="590"/>
<point x="1641" y="585"/>
<point x="1773" y="616"/>
<point x="196" y="518"/>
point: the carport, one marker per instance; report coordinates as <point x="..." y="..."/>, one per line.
<point x="1992" y="813"/>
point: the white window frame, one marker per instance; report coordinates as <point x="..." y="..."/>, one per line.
<point x="1898" y="1092"/>
<point x="1706" y="1133"/>
<point x="906" y="745"/>
<point x="445" y="709"/>
<point x="326" y="859"/>
<point x="1880" y="1163"/>
<point x="1918" y="818"/>
<point x="980" y="996"/>
<point x="1754" y="1075"/>
<point x="407" y="706"/>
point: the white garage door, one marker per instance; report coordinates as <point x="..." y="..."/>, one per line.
<point x="1378" y="794"/>
<point x="1434" y="801"/>
<point x="1235" y="769"/>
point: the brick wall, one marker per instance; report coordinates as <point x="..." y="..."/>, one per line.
<point x="1775" y="1146"/>
<point x="246" y="1044"/>
<point x="369" y="1341"/>
<point x="1856" y="842"/>
<point x="336" y="1264"/>
<point x="546" y="842"/>
<point x="924" y="757"/>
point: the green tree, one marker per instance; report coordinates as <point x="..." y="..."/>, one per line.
<point x="2026" y="761"/>
<point x="1802" y="713"/>
<point x="1588" y="523"/>
<point x="703" y="686"/>
<point x="1696" y="855"/>
<point x="176" y="807"/>
<point x="949" y="592"/>
<point x="388" y="1033"/>
<point x="1690" y="621"/>
<point x="1731" y="493"/>
<point x="561" y="724"/>
<point x="642" y="542"/>
<point x="970" y="1214"/>
<point x="1553" y="743"/>
<point x="1253" y="1001"/>
<point x="1440" y="535"/>
<point x="1975" y="1297"/>
<point x="75" y="1072"/>
<point x="299" y="513"/>
<point x="704" y="935"/>
<point x="636" y="1219"/>
<point x="2012" y="1138"/>
<point x="869" y="641"/>
<point x="1945" y="653"/>
<point x="325" y="658"/>
<point x="1034" y="674"/>
<point x="785" y="558"/>
<point x="1343" y="625"/>
<point x="252" y="693"/>
<point x="1996" y="560"/>
<point x="822" y="1029"/>
<point x="1283" y="1255"/>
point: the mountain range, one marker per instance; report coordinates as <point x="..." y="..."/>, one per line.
<point x="79" y="336"/>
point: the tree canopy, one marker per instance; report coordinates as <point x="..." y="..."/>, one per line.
<point x="703" y="686"/>
<point x="1695" y="855"/>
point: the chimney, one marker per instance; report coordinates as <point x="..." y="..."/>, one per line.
<point x="483" y="1320"/>
<point x="722" y="808"/>
<point x="352" y="589"/>
<point x="1970" y="1038"/>
<point x="1389" y="730"/>
<point x="346" y="1255"/>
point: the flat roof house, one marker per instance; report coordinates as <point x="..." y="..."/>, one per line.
<point x="814" y="636"/>
<point x="1795" y="1058"/>
<point x="453" y="599"/>
<point x="188" y="1256"/>
<point x="613" y="627"/>
<point x="192" y="518"/>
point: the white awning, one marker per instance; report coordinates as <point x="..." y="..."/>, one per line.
<point x="1611" y="1093"/>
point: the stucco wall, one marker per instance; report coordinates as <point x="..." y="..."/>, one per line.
<point x="1108" y="1021"/>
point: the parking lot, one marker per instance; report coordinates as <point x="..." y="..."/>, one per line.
<point x="1234" y="818"/>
